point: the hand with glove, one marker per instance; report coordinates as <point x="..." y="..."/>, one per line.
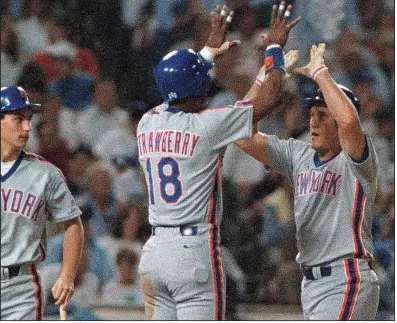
<point x="316" y="64"/>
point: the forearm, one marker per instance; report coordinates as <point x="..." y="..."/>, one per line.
<point x="337" y="102"/>
<point x="72" y="247"/>
<point x="268" y="95"/>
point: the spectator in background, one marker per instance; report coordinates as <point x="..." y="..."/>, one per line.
<point x="72" y="87"/>
<point x="32" y="79"/>
<point x="118" y="147"/>
<point x="336" y="16"/>
<point x="86" y="283"/>
<point x="129" y="228"/>
<point x="79" y="161"/>
<point x="10" y="58"/>
<point x="120" y="142"/>
<point x="102" y="115"/>
<point x="60" y="33"/>
<point x="126" y="289"/>
<point x="65" y="119"/>
<point x="100" y="203"/>
<point x="52" y="146"/>
<point x="32" y="28"/>
<point x="351" y="58"/>
<point x="100" y="263"/>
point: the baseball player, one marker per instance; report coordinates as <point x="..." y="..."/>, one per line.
<point x="181" y="144"/>
<point x="334" y="180"/>
<point x="33" y="191"/>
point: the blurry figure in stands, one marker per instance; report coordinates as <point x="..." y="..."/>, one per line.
<point x="130" y="228"/>
<point x="61" y="33"/>
<point x="118" y="147"/>
<point x="102" y="115"/>
<point x="32" y="28"/>
<point x="86" y="283"/>
<point x="99" y="262"/>
<point x="80" y="160"/>
<point x="101" y="202"/>
<point x="73" y="87"/>
<point x="126" y="289"/>
<point x="52" y="146"/>
<point x="10" y="56"/>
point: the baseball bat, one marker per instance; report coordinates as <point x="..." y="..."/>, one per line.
<point x="62" y="313"/>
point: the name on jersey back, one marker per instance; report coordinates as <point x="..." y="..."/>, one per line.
<point x="168" y="141"/>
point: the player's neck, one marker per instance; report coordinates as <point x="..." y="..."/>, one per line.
<point x="9" y="154"/>
<point x="192" y="105"/>
<point x="327" y="155"/>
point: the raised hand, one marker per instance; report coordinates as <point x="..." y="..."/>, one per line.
<point x="217" y="43"/>
<point x="316" y="63"/>
<point x="279" y="26"/>
<point x="220" y="22"/>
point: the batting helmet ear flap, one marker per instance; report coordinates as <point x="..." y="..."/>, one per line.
<point x="182" y="74"/>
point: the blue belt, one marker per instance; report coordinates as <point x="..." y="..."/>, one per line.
<point x="184" y="230"/>
<point x="307" y="271"/>
<point x="10" y="272"/>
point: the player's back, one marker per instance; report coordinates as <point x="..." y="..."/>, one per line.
<point x="181" y="156"/>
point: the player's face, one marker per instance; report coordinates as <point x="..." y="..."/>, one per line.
<point x="15" y="129"/>
<point x="323" y="131"/>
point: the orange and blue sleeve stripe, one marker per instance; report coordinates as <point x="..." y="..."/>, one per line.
<point x="357" y="220"/>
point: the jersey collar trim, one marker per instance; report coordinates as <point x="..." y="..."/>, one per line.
<point x="13" y="168"/>
<point x="318" y="162"/>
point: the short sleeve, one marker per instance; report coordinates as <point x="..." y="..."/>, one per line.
<point x="284" y="154"/>
<point x="366" y="170"/>
<point x="228" y="124"/>
<point x="59" y="200"/>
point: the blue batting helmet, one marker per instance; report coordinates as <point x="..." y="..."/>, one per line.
<point x="15" y="98"/>
<point x="318" y="99"/>
<point x="182" y="74"/>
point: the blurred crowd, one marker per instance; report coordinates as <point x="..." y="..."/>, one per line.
<point x="89" y="62"/>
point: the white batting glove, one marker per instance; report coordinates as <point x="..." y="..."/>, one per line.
<point x="290" y="59"/>
<point x="209" y="53"/>
<point x="316" y="64"/>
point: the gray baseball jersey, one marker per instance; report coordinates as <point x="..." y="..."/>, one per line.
<point x="33" y="191"/>
<point x="332" y="207"/>
<point x="332" y="199"/>
<point x="181" y="154"/>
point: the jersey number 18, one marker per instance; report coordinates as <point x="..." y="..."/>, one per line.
<point x="164" y="180"/>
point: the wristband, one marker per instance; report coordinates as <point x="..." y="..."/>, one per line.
<point x="207" y="54"/>
<point x="318" y="70"/>
<point x="274" y="58"/>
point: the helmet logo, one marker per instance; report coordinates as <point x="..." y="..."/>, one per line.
<point x="23" y="93"/>
<point x="172" y="95"/>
